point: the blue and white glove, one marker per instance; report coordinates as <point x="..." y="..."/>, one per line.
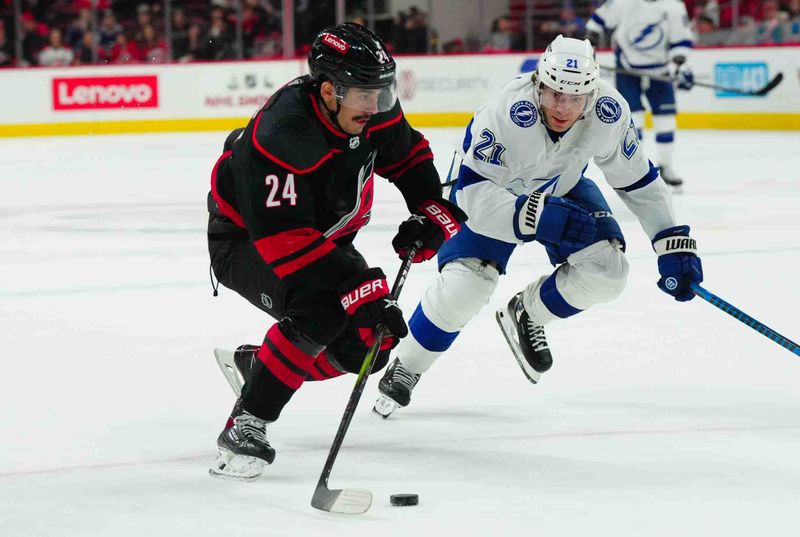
<point x="683" y="76"/>
<point x="553" y="220"/>
<point x="678" y="263"/>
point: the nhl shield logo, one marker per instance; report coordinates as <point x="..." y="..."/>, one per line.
<point x="354" y="142"/>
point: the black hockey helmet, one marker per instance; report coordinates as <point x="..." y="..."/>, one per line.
<point x="352" y="56"/>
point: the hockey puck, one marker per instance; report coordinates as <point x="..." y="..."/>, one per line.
<point x="400" y="500"/>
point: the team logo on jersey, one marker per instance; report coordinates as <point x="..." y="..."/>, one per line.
<point x="608" y="110"/>
<point x="631" y="141"/>
<point x="647" y="37"/>
<point x="523" y="113"/>
<point x="354" y="142"/>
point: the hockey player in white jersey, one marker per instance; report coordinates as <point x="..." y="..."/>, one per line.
<point x="522" y="180"/>
<point x="652" y="37"/>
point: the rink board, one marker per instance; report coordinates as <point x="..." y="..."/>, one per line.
<point x="436" y="91"/>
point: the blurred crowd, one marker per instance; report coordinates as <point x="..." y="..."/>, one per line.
<point x="69" y="32"/>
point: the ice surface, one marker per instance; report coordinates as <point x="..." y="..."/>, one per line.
<point x="657" y="418"/>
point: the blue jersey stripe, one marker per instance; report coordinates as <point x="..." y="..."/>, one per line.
<point x="554" y="300"/>
<point x="649" y="177"/>
<point x="428" y="334"/>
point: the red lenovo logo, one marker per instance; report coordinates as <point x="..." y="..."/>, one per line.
<point x="91" y="93"/>
<point x="335" y="42"/>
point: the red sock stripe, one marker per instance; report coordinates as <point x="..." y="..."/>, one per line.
<point x="285" y="347"/>
<point x="316" y="374"/>
<point x="280" y="370"/>
<point x="325" y="366"/>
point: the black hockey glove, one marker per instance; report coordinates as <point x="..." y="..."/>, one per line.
<point x="367" y="299"/>
<point x="435" y="221"/>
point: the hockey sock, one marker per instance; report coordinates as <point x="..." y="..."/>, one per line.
<point x="323" y="369"/>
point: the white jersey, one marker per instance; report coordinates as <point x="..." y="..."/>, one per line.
<point x="509" y="153"/>
<point x="647" y="33"/>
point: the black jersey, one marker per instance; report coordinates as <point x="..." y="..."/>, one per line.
<point x="301" y="187"/>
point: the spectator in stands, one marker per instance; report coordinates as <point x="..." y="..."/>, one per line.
<point x="501" y="37"/>
<point x="107" y="35"/>
<point x="569" y="24"/>
<point x="793" y="24"/>
<point x="143" y="20"/>
<point x="217" y="42"/>
<point x="32" y="40"/>
<point x="707" y="33"/>
<point x="744" y="33"/>
<point x="55" y="54"/>
<point x="6" y="48"/>
<point x="125" y="50"/>
<point x="180" y="35"/>
<point x="83" y="53"/>
<point x="153" y="47"/>
<point x="771" y="28"/>
<point x="254" y="27"/>
<point x="79" y="26"/>
<point x="411" y="31"/>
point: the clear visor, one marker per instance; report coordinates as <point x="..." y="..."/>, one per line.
<point x="366" y="99"/>
<point x="562" y="102"/>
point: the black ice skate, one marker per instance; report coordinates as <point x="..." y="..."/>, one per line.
<point x="526" y="339"/>
<point x="395" y="389"/>
<point x="672" y="179"/>
<point x="236" y="365"/>
<point x="244" y="451"/>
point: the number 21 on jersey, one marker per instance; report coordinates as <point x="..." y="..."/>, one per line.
<point x="288" y="193"/>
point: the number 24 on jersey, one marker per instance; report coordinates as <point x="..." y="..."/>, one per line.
<point x="288" y="193"/>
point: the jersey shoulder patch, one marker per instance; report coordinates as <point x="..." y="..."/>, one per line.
<point x="608" y="109"/>
<point x="523" y="113"/>
<point x="287" y="132"/>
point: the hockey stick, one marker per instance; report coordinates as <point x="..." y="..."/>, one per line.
<point x="735" y="312"/>
<point x="354" y="501"/>
<point x="758" y="93"/>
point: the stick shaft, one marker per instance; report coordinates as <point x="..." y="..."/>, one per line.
<point x="739" y="315"/>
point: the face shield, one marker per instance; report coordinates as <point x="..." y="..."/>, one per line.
<point x="563" y="103"/>
<point x="367" y="99"/>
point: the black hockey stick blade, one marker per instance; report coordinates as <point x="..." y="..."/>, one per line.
<point x="770" y="86"/>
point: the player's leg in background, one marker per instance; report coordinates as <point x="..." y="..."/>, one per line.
<point x="470" y="266"/>
<point x="583" y="278"/>
<point x="631" y="88"/>
<point x="661" y="96"/>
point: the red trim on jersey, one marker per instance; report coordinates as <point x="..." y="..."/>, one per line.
<point x="304" y="260"/>
<point x="325" y="121"/>
<point x="283" y="164"/>
<point x="225" y="208"/>
<point x="404" y="169"/>
<point x="422" y="144"/>
<point x="286" y="243"/>
<point x="385" y="124"/>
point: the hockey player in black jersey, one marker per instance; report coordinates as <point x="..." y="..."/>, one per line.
<point x="288" y="195"/>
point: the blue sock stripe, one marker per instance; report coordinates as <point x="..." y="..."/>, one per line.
<point x="665" y="137"/>
<point x="427" y="334"/>
<point x="553" y="299"/>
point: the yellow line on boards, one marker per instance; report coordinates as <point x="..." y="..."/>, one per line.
<point x="686" y="120"/>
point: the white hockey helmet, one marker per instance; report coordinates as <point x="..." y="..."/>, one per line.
<point x="569" y="66"/>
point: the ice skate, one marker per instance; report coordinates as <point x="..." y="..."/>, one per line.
<point x="236" y="365"/>
<point x="395" y="389"/>
<point x="672" y="179"/>
<point x="526" y="339"/>
<point x="244" y="451"/>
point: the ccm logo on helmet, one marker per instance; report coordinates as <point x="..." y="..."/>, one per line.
<point x="336" y="43"/>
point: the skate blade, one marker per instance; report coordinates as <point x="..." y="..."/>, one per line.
<point x="384" y="406"/>
<point x="228" y="465"/>
<point x="228" y="366"/>
<point x="509" y="331"/>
